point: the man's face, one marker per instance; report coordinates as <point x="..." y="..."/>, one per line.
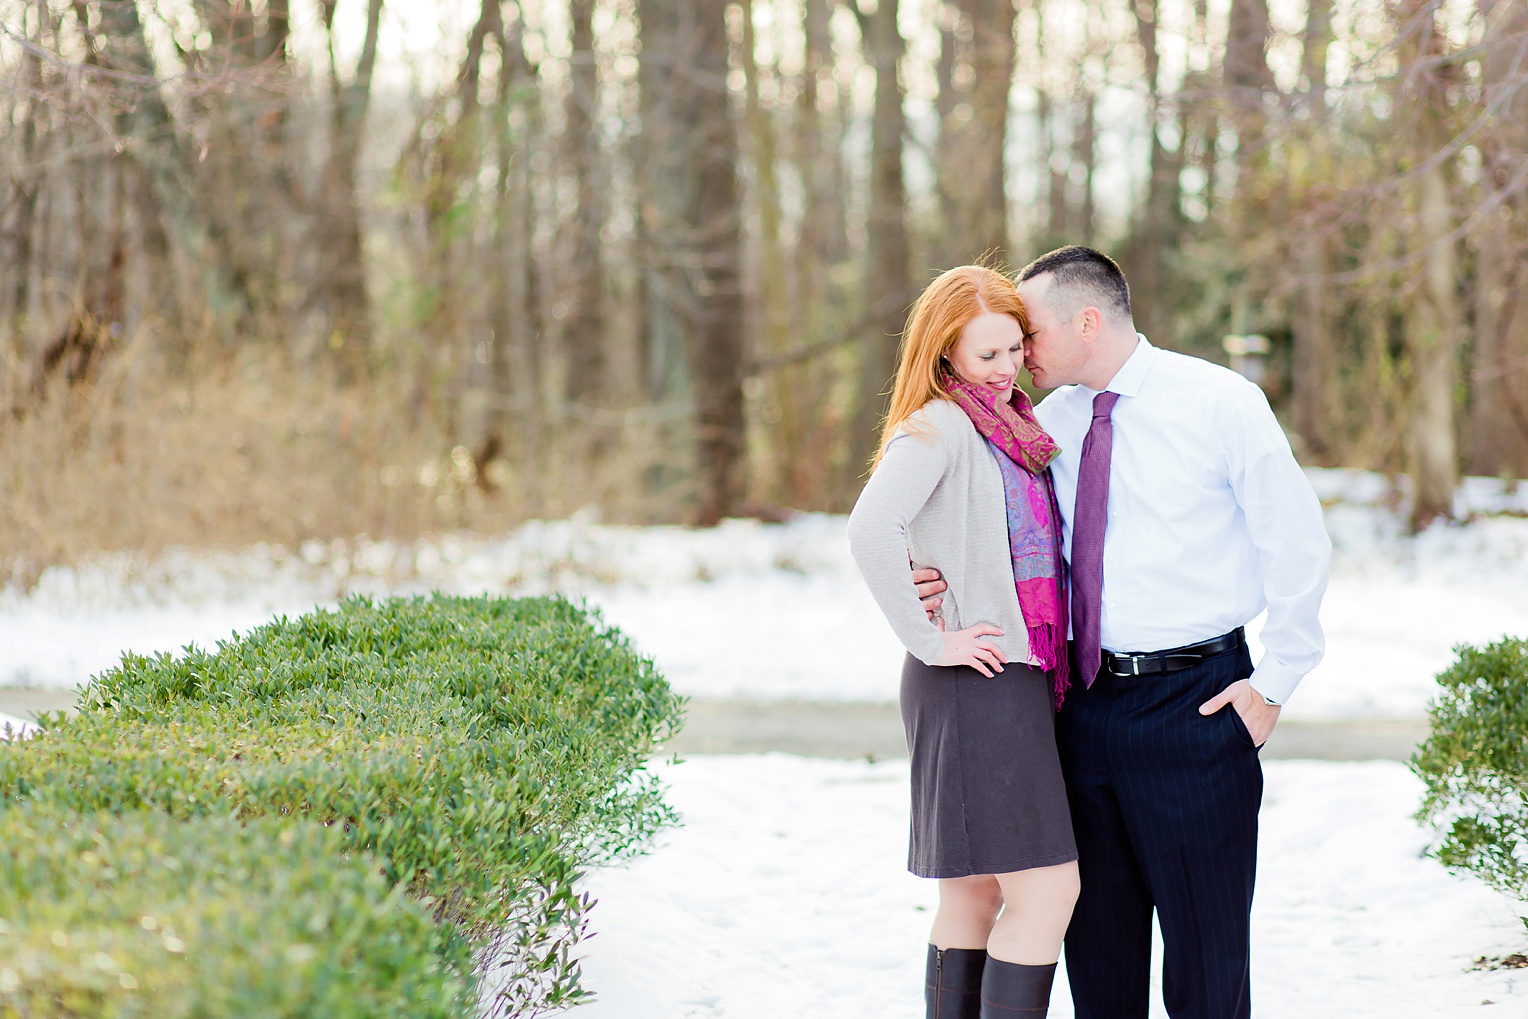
<point x="1054" y="351"/>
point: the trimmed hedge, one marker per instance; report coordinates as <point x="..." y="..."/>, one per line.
<point x="1475" y="765"/>
<point x="146" y="915"/>
<point x="481" y="750"/>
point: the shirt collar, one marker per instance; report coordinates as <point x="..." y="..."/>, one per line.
<point x="1127" y="381"/>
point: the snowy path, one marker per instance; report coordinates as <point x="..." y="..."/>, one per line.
<point x="785" y="894"/>
<point x="750" y="610"/>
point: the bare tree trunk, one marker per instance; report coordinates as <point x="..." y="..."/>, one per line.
<point x="584" y="328"/>
<point x="150" y="143"/>
<point x="782" y="408"/>
<point x="27" y="182"/>
<point x="806" y="473"/>
<point x="1499" y="382"/>
<point x="662" y="249"/>
<point x="344" y="281"/>
<point x="1246" y="77"/>
<point x="1434" y="324"/>
<point x="716" y="323"/>
<point x="1054" y="116"/>
<point x="819" y="220"/>
<point x="450" y="327"/>
<point x="660" y="204"/>
<point x="887" y="283"/>
<point x="525" y="360"/>
<point x="1087" y="147"/>
<point x="974" y="125"/>
<point x="1155" y="230"/>
<point x="950" y="245"/>
<point x="1201" y="115"/>
<point x="1058" y="208"/>
<point x="694" y="223"/>
<point x="1316" y="367"/>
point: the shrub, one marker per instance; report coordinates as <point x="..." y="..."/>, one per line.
<point x="1475" y="764"/>
<point x="145" y="915"/>
<point x="481" y="750"/>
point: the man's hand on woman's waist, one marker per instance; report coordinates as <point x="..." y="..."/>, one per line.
<point x="930" y="585"/>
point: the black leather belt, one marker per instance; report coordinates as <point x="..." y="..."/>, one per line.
<point x="1143" y="663"/>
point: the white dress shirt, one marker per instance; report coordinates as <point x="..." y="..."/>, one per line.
<point x="1210" y="518"/>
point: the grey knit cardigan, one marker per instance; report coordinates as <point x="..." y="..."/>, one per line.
<point x="937" y="497"/>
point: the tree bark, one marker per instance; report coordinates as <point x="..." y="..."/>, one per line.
<point x="343" y="286"/>
<point x="974" y="126"/>
<point x="694" y="223"/>
<point x="584" y="333"/>
<point x="1316" y="389"/>
<point x="521" y="385"/>
<point x="1246" y="77"/>
<point x="26" y="184"/>
<point x="782" y="409"/>
<point x="887" y="283"/>
<point x="1058" y="217"/>
<point x="660" y="205"/>
<point x="1434" y="324"/>
<point x="1155" y="231"/>
<point x="1499" y="382"/>
<point x="1087" y="147"/>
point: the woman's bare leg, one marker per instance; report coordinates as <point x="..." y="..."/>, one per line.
<point x="1037" y="906"/>
<point x="967" y="908"/>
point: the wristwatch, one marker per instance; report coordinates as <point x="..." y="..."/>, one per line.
<point x="1266" y="699"/>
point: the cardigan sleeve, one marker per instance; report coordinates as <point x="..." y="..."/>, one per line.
<point x="910" y="469"/>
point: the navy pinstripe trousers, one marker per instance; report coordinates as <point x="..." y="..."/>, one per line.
<point x="1164" y="805"/>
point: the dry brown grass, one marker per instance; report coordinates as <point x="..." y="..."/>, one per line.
<point x="250" y="449"/>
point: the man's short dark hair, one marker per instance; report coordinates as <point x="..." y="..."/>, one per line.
<point x="1082" y="277"/>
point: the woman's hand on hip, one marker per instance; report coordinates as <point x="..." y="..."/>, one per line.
<point x="966" y="647"/>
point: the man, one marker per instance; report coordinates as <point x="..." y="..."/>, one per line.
<point x="1184" y="516"/>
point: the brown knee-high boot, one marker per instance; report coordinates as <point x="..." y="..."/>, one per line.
<point x="953" y="986"/>
<point x="1011" y="990"/>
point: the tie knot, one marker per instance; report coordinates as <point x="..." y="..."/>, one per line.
<point x="1103" y="404"/>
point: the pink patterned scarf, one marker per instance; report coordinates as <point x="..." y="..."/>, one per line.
<point x="1023" y="451"/>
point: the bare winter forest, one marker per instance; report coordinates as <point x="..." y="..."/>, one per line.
<point x="281" y="269"/>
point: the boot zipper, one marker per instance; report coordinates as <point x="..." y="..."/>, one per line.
<point x="938" y="983"/>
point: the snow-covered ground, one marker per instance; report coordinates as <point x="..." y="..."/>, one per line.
<point x="775" y="611"/>
<point x="785" y="894"/>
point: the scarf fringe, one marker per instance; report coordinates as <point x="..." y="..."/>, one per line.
<point x="1047" y="643"/>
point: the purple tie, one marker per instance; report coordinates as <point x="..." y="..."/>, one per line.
<point x="1088" y="536"/>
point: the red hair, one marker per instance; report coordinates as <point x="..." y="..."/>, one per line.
<point x="933" y="328"/>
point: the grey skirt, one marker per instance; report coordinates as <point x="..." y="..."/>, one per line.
<point x="987" y="792"/>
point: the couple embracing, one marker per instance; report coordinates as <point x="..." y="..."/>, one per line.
<point x="1082" y="711"/>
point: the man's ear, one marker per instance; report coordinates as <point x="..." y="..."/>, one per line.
<point x="1090" y="322"/>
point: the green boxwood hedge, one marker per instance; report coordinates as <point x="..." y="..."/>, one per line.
<point x="480" y="750"/>
<point x="146" y="915"/>
<point x="1475" y="764"/>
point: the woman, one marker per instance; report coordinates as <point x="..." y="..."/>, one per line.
<point x="961" y="483"/>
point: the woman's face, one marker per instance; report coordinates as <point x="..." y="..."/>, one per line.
<point x="990" y="351"/>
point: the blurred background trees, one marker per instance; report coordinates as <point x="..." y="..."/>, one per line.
<point x="277" y="269"/>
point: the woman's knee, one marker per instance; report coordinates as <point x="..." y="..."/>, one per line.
<point x="980" y="893"/>
<point x="1069" y="884"/>
<point x="1048" y="888"/>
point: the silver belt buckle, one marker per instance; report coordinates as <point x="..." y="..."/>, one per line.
<point x="1135" y="665"/>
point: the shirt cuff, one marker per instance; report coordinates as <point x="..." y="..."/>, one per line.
<point x="1275" y="680"/>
